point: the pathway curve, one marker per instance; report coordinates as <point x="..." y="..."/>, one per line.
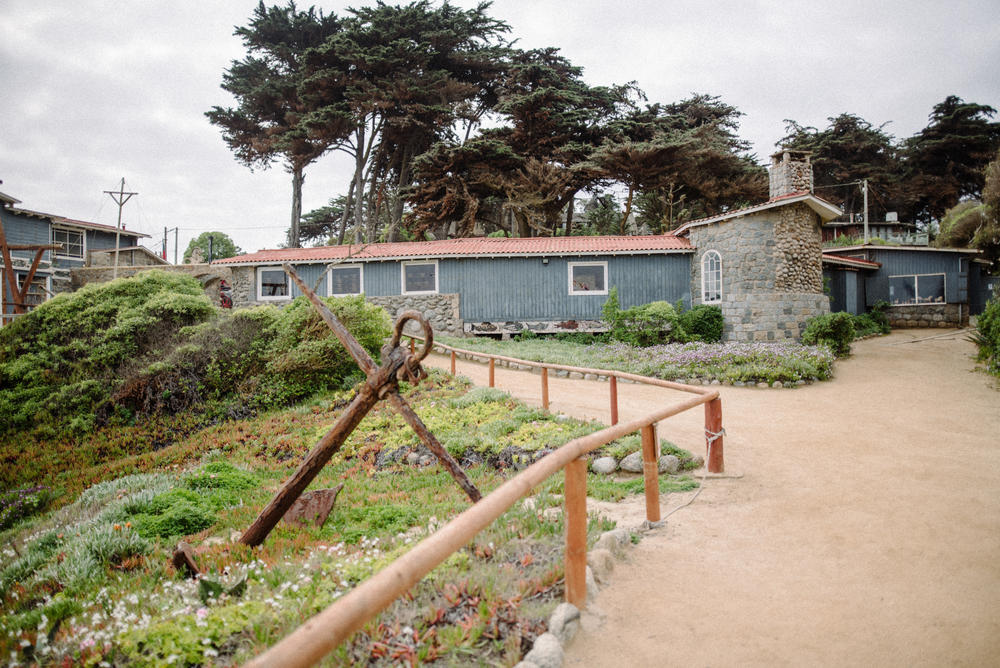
<point x="865" y="529"/>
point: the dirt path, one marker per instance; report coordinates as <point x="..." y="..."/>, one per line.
<point x="865" y="529"/>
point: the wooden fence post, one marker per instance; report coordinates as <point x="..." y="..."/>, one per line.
<point x="453" y="362"/>
<point x="545" y="387"/>
<point x="613" y="386"/>
<point x="492" y="372"/>
<point x="651" y="473"/>
<point x="713" y="436"/>
<point x="576" y="532"/>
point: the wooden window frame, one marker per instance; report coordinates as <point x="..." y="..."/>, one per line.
<point x="570" y="266"/>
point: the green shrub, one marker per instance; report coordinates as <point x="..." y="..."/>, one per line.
<point x="833" y="330"/>
<point x="987" y="336"/>
<point x="703" y="323"/>
<point x="646" y="325"/>
<point x="61" y="361"/>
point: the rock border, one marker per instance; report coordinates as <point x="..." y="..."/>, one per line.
<point x="565" y="622"/>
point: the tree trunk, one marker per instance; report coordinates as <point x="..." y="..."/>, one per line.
<point x="346" y="213"/>
<point x="293" y="231"/>
<point x="359" y="183"/>
<point x="628" y="210"/>
<point x="397" y="206"/>
<point x="569" y="217"/>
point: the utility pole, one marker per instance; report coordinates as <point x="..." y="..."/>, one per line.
<point x="864" y="191"/>
<point x="120" y="198"/>
<point x="165" y="233"/>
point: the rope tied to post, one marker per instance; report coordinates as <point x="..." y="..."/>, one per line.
<point x="713" y="436"/>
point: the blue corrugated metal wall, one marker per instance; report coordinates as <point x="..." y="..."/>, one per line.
<point x="909" y="262"/>
<point x="25" y="230"/>
<point x="526" y="288"/>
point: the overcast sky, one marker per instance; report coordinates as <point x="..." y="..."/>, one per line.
<point x="91" y="91"/>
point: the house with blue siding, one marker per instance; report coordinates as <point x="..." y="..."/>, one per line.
<point x="764" y="266"/>
<point x="52" y="245"/>
<point x="923" y="286"/>
<point x="497" y="285"/>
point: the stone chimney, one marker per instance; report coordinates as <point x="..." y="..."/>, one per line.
<point x="791" y="172"/>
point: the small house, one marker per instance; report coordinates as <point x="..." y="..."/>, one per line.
<point x="42" y="248"/>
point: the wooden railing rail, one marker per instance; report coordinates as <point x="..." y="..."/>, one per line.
<point x="713" y="409"/>
<point x="318" y="636"/>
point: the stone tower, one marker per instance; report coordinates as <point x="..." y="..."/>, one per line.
<point x="791" y="172"/>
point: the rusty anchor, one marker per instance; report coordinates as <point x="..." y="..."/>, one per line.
<point x="382" y="382"/>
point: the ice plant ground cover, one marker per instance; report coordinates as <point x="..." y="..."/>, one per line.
<point x="89" y="581"/>
<point x="729" y="363"/>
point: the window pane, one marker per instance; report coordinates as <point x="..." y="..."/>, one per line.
<point x="273" y="283"/>
<point x="711" y="266"/>
<point x="72" y="242"/>
<point x="345" y="281"/>
<point x="419" y="277"/>
<point x="587" y="277"/>
<point x="930" y="289"/>
<point x="902" y="290"/>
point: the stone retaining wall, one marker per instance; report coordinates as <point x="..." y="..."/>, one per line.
<point x="929" y="315"/>
<point x="440" y="310"/>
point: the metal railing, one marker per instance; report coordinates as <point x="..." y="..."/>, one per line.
<point x="321" y="634"/>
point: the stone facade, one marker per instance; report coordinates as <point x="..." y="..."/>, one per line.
<point x="772" y="273"/>
<point x="440" y="310"/>
<point x="799" y="250"/>
<point x="929" y="315"/>
<point x="791" y="172"/>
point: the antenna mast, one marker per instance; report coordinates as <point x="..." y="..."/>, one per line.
<point x="120" y="197"/>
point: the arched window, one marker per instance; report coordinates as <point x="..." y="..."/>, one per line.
<point x="711" y="277"/>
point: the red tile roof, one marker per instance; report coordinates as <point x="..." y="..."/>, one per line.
<point x="473" y="247"/>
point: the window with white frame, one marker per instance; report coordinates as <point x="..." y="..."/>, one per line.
<point x="71" y="240"/>
<point x="345" y="280"/>
<point x="588" y="278"/>
<point x="916" y="289"/>
<point x="273" y="284"/>
<point x="711" y="277"/>
<point x="420" y="277"/>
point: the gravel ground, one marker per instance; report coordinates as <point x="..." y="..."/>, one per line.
<point x="863" y="529"/>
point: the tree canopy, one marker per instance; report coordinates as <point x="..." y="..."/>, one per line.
<point x="454" y="130"/>
<point x="213" y="245"/>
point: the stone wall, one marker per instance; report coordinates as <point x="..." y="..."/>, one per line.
<point x="791" y="172"/>
<point x="929" y="315"/>
<point x="442" y="311"/>
<point x="775" y="316"/>
<point x="772" y="272"/>
<point x="799" y="249"/>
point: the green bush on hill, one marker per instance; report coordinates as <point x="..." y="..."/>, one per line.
<point x="155" y="344"/>
<point x="58" y="362"/>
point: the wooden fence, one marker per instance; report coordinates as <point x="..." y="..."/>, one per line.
<point x="318" y="636"/>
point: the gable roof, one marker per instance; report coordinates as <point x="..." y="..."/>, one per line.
<point x="471" y="247"/>
<point x="62" y="221"/>
<point x="825" y="210"/>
